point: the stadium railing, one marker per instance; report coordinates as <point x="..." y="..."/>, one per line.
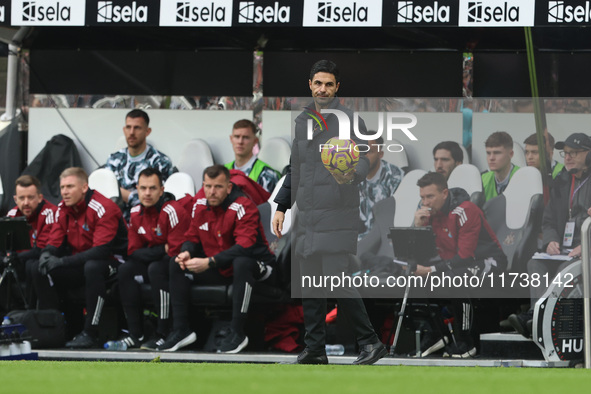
<point x="586" y="243"/>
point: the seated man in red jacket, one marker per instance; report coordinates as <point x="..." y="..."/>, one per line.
<point x="40" y="215"/>
<point x="225" y="244"/>
<point x="156" y="232"/>
<point x="466" y="245"/>
<point x="89" y="232"/>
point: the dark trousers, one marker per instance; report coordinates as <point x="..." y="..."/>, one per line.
<point x="130" y="276"/>
<point x="246" y="272"/>
<point x="92" y="274"/>
<point x="460" y="306"/>
<point x="350" y="304"/>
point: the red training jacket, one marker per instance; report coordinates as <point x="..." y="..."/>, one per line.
<point x="163" y="223"/>
<point x="41" y="221"/>
<point x="96" y="227"/>
<point x="229" y="230"/>
<point x="463" y="235"/>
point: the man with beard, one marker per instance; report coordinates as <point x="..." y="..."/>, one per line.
<point x="40" y="214"/>
<point x="326" y="229"/>
<point x="128" y="162"/>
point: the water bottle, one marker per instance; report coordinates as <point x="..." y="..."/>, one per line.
<point x="6" y="321"/>
<point x="14" y="348"/>
<point x="335" y="350"/>
<point x="25" y="347"/>
<point x="116" y="345"/>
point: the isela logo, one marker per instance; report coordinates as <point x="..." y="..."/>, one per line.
<point x="410" y="13"/>
<point x="249" y="13"/>
<point x="402" y="121"/>
<point x="559" y="12"/>
<point x="187" y="12"/>
<point x="33" y="12"/>
<point x="478" y="12"/>
<point x="328" y="13"/>
<point x="109" y="13"/>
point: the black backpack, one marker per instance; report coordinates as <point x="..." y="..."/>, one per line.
<point x="45" y="328"/>
<point x="59" y="153"/>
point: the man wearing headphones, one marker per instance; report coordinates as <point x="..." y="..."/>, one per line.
<point x="570" y="196"/>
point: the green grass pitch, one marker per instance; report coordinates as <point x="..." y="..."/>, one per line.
<point x="160" y="377"/>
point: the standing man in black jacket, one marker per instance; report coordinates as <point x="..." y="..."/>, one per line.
<point x="326" y="234"/>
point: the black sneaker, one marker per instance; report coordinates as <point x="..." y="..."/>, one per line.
<point x="176" y="340"/>
<point x="128" y="342"/>
<point x="83" y="341"/>
<point x="154" y="342"/>
<point x="460" y="350"/>
<point x="522" y="323"/>
<point x="431" y="344"/>
<point x="233" y="343"/>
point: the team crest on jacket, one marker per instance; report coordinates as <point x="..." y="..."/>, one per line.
<point x="509" y="239"/>
<point x="158" y="231"/>
<point x="85" y="227"/>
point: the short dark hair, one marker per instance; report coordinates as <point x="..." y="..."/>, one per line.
<point x="533" y="140"/>
<point x="216" y="170"/>
<point x="28" y="180"/>
<point x="453" y="147"/>
<point x="138" y="113"/>
<point x="325" y="66"/>
<point x="499" y="138"/>
<point x="148" y="172"/>
<point x="433" y="178"/>
<point x="379" y="140"/>
<point x="245" y="124"/>
<point x="551" y="140"/>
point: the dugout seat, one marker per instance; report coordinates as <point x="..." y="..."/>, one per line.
<point x="407" y="199"/>
<point x="195" y="157"/>
<point x="518" y="155"/>
<point x="467" y="177"/>
<point x="516" y="217"/>
<point x="466" y="155"/>
<point x="276" y="153"/>
<point x="105" y="182"/>
<point x="180" y="184"/>
<point x="395" y="211"/>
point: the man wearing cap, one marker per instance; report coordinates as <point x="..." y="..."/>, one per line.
<point x="564" y="215"/>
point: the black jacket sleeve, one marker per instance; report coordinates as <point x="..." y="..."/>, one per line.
<point x="101" y="252"/>
<point x="31" y="254"/>
<point x="148" y="255"/>
<point x="283" y="197"/>
<point x="193" y="248"/>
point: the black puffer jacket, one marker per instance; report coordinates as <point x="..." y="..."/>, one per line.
<point x="328" y="213"/>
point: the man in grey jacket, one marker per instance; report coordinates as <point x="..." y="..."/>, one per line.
<point x="328" y="211"/>
<point x="570" y="197"/>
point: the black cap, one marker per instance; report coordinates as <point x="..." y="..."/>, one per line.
<point x="575" y="141"/>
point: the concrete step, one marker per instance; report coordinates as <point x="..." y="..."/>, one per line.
<point x="508" y="345"/>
